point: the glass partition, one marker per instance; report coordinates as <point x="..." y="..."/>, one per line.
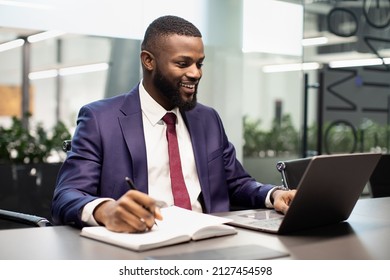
<point x="351" y="41"/>
<point x="246" y="41"/>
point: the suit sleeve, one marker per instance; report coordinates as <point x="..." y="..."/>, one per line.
<point x="79" y="176"/>
<point x="244" y="190"/>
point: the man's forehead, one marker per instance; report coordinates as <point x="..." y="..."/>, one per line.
<point x="178" y="45"/>
<point x="173" y="37"/>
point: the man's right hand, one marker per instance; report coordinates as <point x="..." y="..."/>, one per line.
<point x="133" y="212"/>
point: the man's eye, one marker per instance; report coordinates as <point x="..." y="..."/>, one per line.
<point x="200" y="65"/>
<point x="182" y="64"/>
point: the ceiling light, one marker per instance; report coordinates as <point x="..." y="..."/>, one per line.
<point x="11" y="45"/>
<point x="291" y="67"/>
<point x="44" y="36"/>
<point x="83" y="69"/>
<point x="359" y="62"/>
<point x="51" y="73"/>
<point x="43" y="74"/>
<point x="25" y="5"/>
<point x="314" y="41"/>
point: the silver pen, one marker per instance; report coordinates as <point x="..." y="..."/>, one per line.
<point x="159" y="203"/>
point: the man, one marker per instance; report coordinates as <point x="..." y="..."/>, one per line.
<point x="124" y="136"/>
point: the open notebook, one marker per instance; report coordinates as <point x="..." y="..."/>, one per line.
<point x="179" y="225"/>
<point x="326" y="194"/>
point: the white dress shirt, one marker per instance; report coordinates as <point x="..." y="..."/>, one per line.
<point x="157" y="152"/>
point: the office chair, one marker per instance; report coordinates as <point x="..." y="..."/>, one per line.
<point x="66" y="145"/>
<point x="13" y="219"/>
<point x="292" y="171"/>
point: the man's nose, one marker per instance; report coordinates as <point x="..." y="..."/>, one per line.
<point x="194" y="72"/>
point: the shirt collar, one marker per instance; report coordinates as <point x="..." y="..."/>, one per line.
<point x="153" y="111"/>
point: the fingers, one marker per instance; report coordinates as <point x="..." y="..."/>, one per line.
<point x="124" y="221"/>
<point x="136" y="214"/>
<point x="157" y="214"/>
<point x="283" y="200"/>
<point x="133" y="212"/>
<point x="283" y="209"/>
<point x="144" y="203"/>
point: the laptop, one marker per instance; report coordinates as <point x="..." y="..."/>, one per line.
<point x="326" y="194"/>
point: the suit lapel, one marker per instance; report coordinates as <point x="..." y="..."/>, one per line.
<point x="132" y="129"/>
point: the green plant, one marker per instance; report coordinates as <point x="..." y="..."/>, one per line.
<point x="60" y="134"/>
<point x="344" y="137"/>
<point x="281" y="138"/>
<point x="254" y="137"/>
<point x="19" y="145"/>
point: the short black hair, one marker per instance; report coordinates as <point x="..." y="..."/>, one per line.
<point x="165" y="26"/>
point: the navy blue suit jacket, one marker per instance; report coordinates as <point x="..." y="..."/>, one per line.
<point x="109" y="145"/>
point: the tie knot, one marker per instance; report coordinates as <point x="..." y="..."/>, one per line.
<point x="169" y="118"/>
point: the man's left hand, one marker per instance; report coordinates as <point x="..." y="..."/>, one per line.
<point x="282" y="200"/>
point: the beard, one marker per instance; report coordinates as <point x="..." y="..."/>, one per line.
<point x="171" y="91"/>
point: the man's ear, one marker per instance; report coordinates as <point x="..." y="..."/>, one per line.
<point x="147" y="60"/>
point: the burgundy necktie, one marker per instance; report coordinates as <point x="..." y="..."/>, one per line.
<point x="179" y="190"/>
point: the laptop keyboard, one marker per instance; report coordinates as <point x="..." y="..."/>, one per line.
<point x="268" y="223"/>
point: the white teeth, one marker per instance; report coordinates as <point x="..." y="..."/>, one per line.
<point x="187" y="86"/>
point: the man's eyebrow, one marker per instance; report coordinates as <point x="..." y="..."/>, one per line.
<point x="189" y="57"/>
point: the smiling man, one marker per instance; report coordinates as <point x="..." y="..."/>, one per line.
<point x="172" y="148"/>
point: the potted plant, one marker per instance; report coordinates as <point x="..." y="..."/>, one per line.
<point x="263" y="149"/>
<point x="281" y="139"/>
<point x="24" y="160"/>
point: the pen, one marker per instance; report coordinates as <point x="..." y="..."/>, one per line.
<point x="130" y="183"/>
<point x="132" y="186"/>
<point x="159" y="203"/>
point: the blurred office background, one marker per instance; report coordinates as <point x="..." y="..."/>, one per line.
<point x="289" y="78"/>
